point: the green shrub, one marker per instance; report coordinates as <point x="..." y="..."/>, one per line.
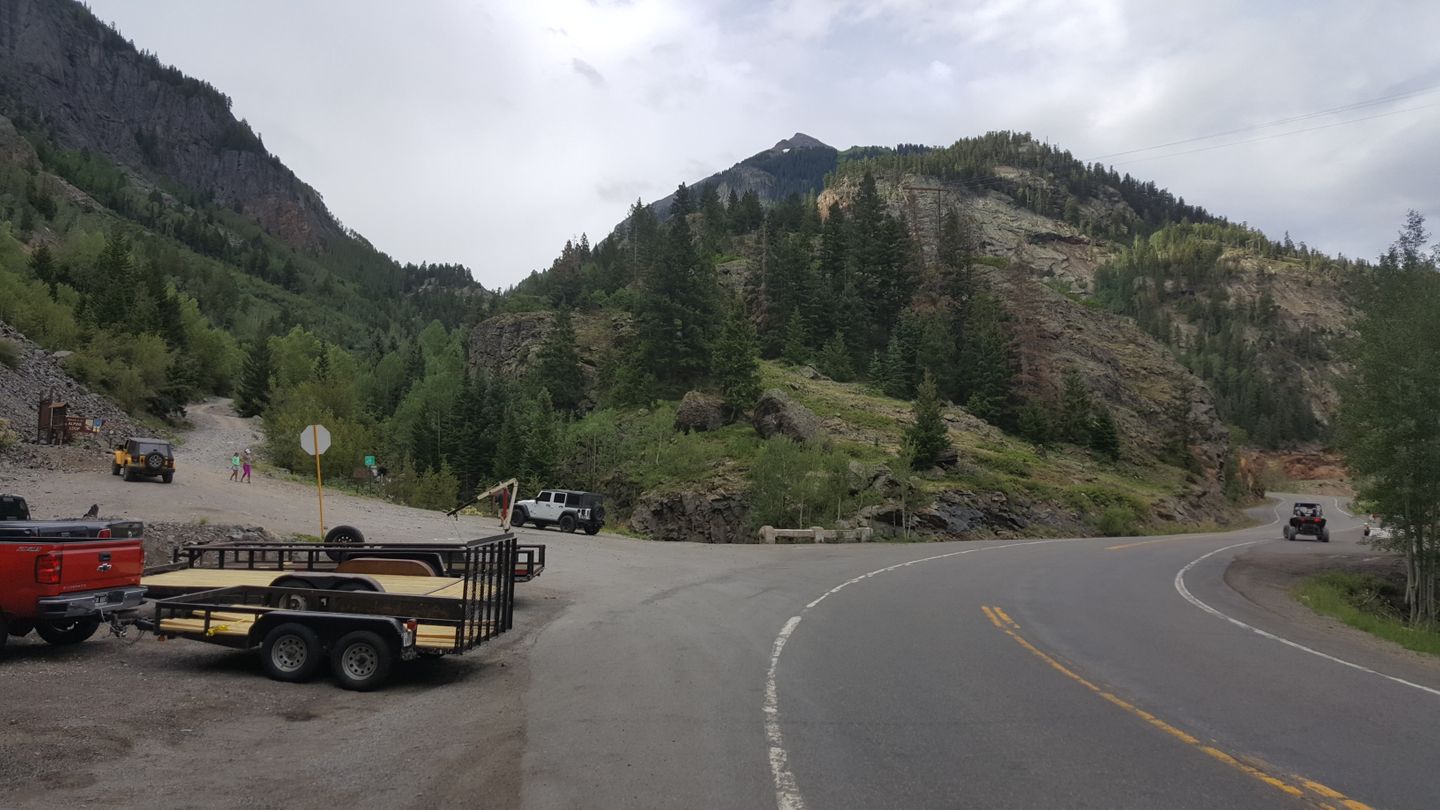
<point x="1118" y="521"/>
<point x="10" y="354"/>
<point x="795" y="485"/>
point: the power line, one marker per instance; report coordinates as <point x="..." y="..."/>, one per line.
<point x="1278" y="122"/>
<point x="1281" y="134"/>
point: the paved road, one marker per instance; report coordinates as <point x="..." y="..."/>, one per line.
<point x="1000" y="674"/>
<point x="1095" y="684"/>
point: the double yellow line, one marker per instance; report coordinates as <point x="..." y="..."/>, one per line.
<point x="1305" y="789"/>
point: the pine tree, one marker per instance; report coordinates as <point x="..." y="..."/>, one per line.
<point x="1104" y="435"/>
<point x="737" y="363"/>
<point x="680" y="205"/>
<point x="834" y="359"/>
<point x="986" y="364"/>
<point x="542" y="440"/>
<point x="796" y="349"/>
<point x="557" y="368"/>
<point x="678" y="313"/>
<point x="113" y="298"/>
<point x="253" y="396"/>
<point x="42" y="264"/>
<point x="927" y="438"/>
<point x="1076" y="410"/>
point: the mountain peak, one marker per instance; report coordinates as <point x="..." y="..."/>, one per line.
<point x="800" y="141"/>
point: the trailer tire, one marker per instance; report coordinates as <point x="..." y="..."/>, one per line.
<point x="291" y="653"/>
<point x="567" y="523"/>
<point x="341" y="536"/>
<point x="361" y="661"/>
<point x="74" y="631"/>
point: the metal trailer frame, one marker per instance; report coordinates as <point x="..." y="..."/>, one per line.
<point x="446" y="559"/>
<point x="485" y="609"/>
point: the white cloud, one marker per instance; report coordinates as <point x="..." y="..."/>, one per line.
<point x="490" y="134"/>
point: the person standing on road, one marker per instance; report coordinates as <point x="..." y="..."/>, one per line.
<point x="245" y="467"/>
<point x="235" y="467"/>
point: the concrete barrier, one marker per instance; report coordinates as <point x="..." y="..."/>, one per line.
<point x="815" y="534"/>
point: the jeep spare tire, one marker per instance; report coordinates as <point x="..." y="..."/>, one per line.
<point x="154" y="461"/>
<point x="338" y="538"/>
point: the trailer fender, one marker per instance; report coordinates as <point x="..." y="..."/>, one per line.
<point x="331" y="626"/>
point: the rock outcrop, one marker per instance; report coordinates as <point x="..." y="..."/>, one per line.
<point x="699" y="412"/>
<point x="505" y="344"/>
<point x="778" y="415"/>
<point x="700" y="517"/>
<point x="63" y="70"/>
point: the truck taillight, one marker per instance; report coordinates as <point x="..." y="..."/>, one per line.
<point x="47" y="569"/>
<point x="104" y="534"/>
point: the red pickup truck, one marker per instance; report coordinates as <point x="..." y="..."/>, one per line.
<point x="62" y="577"/>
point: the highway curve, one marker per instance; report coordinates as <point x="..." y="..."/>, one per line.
<point x="1067" y="673"/>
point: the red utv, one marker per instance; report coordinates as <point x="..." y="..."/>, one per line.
<point x="1308" y="519"/>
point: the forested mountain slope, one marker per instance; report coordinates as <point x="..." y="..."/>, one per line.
<point x="989" y="338"/>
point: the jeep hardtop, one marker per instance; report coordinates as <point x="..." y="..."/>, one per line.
<point x="140" y="456"/>
<point x="567" y="509"/>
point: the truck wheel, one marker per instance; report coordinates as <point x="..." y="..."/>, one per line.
<point x="567" y="523"/>
<point x="19" y="629"/>
<point x="114" y="468"/>
<point x="519" y="516"/>
<point x="126" y="475"/>
<point x="71" y="631"/>
<point x="361" y="661"/>
<point x="592" y="529"/>
<point x="167" y="477"/>
<point x="1324" y="535"/>
<point x="1289" y="533"/>
<point x="291" y="653"/>
<point x="154" y="461"/>
<point x="341" y="536"/>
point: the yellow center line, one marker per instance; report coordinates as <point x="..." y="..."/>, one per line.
<point x="1008" y="626"/>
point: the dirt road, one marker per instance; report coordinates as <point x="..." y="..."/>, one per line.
<point x="203" y="491"/>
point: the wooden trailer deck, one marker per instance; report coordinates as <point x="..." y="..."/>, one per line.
<point x="188" y="580"/>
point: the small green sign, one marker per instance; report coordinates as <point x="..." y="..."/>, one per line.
<point x="369" y="461"/>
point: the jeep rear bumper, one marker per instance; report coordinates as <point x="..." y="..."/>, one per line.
<point x="90" y="603"/>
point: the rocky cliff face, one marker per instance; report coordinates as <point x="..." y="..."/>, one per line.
<point x="1140" y="380"/>
<point x="67" y="74"/>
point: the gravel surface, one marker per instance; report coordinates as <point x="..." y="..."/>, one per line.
<point x="181" y="724"/>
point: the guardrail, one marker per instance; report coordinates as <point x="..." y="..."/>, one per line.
<point x="815" y="534"/>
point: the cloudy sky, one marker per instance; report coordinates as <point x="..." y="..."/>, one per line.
<point x="487" y="133"/>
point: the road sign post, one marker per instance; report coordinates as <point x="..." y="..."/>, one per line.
<point x="315" y="440"/>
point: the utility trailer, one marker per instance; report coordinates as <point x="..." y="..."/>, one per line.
<point x="435" y="568"/>
<point x="363" y="633"/>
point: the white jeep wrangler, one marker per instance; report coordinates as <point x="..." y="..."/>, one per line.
<point x="567" y="509"/>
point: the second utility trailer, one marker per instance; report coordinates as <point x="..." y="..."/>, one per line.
<point x="362" y="633"/>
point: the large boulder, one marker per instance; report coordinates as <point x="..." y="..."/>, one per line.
<point x="697" y="517"/>
<point x="699" y="411"/>
<point x="778" y="415"/>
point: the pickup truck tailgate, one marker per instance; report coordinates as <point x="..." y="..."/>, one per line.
<point x="94" y="565"/>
